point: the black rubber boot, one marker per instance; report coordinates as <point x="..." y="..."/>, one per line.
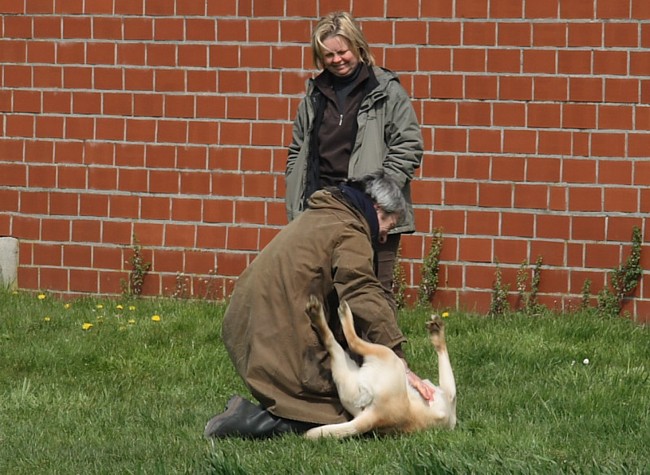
<point x="244" y="419"/>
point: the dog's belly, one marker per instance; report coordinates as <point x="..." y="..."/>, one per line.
<point x="377" y="384"/>
<point x="429" y="413"/>
<point x="356" y="401"/>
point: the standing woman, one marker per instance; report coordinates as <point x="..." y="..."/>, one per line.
<point x="355" y="119"/>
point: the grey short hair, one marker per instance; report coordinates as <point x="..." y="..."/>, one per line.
<point x="384" y="192"/>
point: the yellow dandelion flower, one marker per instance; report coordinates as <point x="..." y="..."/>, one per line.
<point x="119" y="307"/>
<point x="156" y="318"/>
<point x="41" y="296"/>
<point x="122" y="328"/>
<point x="15" y="292"/>
<point x="87" y="326"/>
<point x="131" y="308"/>
<point x="445" y="314"/>
<point x="66" y="306"/>
<point x="131" y="322"/>
<point x="99" y="306"/>
<point x="47" y="319"/>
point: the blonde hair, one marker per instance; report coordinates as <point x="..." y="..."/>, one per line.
<point x="340" y="24"/>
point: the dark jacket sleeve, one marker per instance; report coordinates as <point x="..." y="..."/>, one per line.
<point x="355" y="282"/>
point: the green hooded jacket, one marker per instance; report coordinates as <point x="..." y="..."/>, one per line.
<point x="388" y="137"/>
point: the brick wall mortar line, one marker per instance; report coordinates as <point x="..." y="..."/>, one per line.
<point x="535" y="211"/>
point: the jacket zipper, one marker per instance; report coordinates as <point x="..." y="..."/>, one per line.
<point x="340" y="119"/>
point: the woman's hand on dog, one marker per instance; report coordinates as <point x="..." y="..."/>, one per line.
<point x="425" y="389"/>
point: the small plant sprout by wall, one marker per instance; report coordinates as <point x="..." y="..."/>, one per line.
<point x="528" y="296"/>
<point x="430" y="270"/>
<point x="586" y="294"/>
<point x="499" y="304"/>
<point x="139" y="270"/>
<point x="399" y="282"/>
<point x="622" y="280"/>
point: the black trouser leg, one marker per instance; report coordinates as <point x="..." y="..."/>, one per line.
<point x="386" y="255"/>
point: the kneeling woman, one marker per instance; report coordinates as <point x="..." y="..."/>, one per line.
<point x="327" y="251"/>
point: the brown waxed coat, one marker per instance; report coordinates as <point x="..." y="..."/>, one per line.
<point x="325" y="251"/>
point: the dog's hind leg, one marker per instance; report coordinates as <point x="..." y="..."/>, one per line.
<point x="344" y="369"/>
<point x="377" y="359"/>
<point x="316" y="314"/>
<point x="339" y="356"/>
<point x="358" y="345"/>
<point x="447" y="382"/>
<point x="363" y="423"/>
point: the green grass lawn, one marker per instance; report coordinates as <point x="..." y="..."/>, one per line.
<point x="132" y="393"/>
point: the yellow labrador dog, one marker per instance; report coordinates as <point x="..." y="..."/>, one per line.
<point x="377" y="393"/>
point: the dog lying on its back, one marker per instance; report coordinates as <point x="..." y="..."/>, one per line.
<point x="377" y="393"/>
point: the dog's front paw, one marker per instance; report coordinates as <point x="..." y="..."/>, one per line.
<point x="314" y="308"/>
<point x="435" y="325"/>
<point x="344" y="310"/>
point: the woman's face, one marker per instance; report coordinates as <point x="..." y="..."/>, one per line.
<point x="387" y="221"/>
<point x="338" y="58"/>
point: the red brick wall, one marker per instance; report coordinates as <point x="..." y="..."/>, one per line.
<point x="170" y="120"/>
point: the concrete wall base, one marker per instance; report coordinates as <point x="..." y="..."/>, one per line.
<point x="9" y="263"/>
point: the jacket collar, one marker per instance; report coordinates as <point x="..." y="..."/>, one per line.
<point x="364" y="205"/>
<point x="333" y="197"/>
<point x="324" y="82"/>
<point x="378" y="80"/>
